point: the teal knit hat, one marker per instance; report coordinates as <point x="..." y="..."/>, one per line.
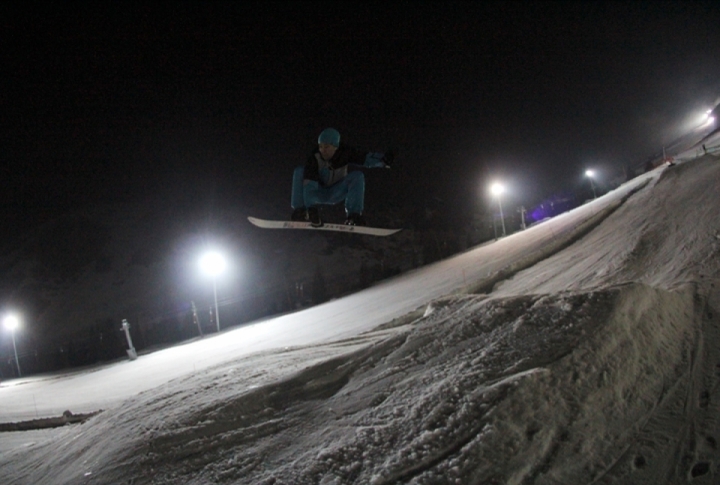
<point x="330" y="136"/>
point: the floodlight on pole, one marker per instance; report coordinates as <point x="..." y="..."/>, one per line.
<point x="12" y="323"/>
<point x="213" y="264"/>
<point x="590" y="174"/>
<point x="497" y="189"/>
<point x="705" y="120"/>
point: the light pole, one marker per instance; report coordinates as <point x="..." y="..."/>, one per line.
<point x="498" y="189"/>
<point x="11" y="323"/>
<point x="590" y="174"/>
<point x="213" y="264"/>
<point x="132" y="353"/>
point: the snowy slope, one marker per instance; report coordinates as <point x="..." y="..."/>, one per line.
<point x="582" y="350"/>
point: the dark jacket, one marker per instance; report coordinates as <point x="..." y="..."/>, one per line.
<point x="329" y="172"/>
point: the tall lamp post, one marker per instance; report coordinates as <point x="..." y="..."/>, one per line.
<point x="522" y="212"/>
<point x="590" y="174"/>
<point x="11" y="323"/>
<point x="496" y="190"/>
<point x="213" y="264"/>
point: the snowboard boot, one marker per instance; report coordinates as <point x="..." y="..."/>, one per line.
<point x="313" y="214"/>
<point x="355" y="220"/>
<point x="299" y="214"/>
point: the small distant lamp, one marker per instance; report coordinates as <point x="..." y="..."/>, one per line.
<point x="131" y="352"/>
<point x="213" y="264"/>
<point x="497" y="189"/>
<point x="590" y="174"/>
<point x="12" y="323"/>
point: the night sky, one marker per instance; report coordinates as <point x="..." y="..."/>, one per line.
<point x="113" y="101"/>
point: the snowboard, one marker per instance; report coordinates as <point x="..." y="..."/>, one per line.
<point x="371" y="231"/>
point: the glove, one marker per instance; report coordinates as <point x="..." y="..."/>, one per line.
<point x="388" y="158"/>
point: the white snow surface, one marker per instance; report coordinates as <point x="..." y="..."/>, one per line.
<point x="584" y="350"/>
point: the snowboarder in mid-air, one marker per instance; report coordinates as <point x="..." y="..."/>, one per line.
<point x="331" y="175"/>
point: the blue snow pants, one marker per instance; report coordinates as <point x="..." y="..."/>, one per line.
<point x="309" y="193"/>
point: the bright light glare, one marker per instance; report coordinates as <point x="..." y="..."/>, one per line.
<point x="590" y="173"/>
<point x="707" y="120"/>
<point x="497" y="189"/>
<point x="213" y="263"/>
<point x="699" y="120"/>
<point x="11" y="322"/>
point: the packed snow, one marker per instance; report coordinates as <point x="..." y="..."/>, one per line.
<point x="581" y="350"/>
